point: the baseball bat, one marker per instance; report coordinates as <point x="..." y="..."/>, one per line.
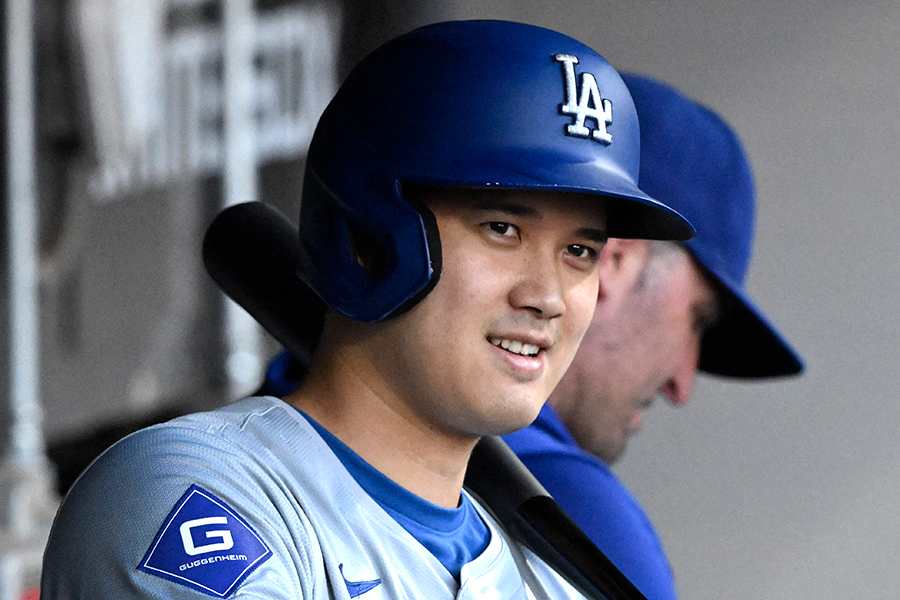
<point x="253" y="253"/>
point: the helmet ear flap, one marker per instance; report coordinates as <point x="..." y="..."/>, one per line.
<point x="414" y="196"/>
<point x="374" y="257"/>
<point x="371" y="254"/>
<point x="371" y="266"/>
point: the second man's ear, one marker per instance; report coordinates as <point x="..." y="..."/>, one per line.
<point x="621" y="263"/>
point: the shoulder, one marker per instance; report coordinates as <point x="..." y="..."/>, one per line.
<point x="551" y="453"/>
<point x="213" y="448"/>
<point x="566" y="470"/>
<point x="162" y="499"/>
<point x="585" y="487"/>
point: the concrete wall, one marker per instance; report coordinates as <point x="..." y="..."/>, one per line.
<point x="784" y="489"/>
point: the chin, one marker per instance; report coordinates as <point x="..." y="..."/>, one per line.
<point x="606" y="450"/>
<point x="502" y="422"/>
<point x="612" y="455"/>
<point x="518" y="419"/>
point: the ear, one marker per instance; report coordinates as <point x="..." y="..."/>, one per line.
<point x="621" y="264"/>
<point x="371" y="254"/>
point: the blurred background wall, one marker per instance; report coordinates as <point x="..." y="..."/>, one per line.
<point x="782" y="489"/>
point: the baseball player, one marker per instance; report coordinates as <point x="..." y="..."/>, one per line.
<point x="458" y="191"/>
<point x="665" y="310"/>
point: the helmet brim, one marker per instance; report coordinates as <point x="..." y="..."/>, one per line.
<point x="630" y="213"/>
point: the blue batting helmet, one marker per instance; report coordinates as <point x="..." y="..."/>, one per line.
<point x="479" y="104"/>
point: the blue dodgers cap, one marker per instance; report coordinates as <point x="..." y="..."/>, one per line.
<point x="693" y="162"/>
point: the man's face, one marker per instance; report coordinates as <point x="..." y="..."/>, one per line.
<point x="484" y="349"/>
<point x="644" y="341"/>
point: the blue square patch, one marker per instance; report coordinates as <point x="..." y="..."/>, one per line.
<point x="205" y="545"/>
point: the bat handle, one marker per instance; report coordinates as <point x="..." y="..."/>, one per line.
<point x="521" y="504"/>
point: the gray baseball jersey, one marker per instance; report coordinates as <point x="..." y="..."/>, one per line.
<point x="249" y="502"/>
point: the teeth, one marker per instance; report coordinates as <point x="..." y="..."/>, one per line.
<point x="516" y="347"/>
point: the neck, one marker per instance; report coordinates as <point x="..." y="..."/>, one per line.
<point x="346" y="396"/>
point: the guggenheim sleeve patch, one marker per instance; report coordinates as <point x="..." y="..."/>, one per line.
<point x="205" y="545"/>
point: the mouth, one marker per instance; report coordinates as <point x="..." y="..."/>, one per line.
<point x="645" y="404"/>
<point x="516" y="346"/>
<point x="637" y="418"/>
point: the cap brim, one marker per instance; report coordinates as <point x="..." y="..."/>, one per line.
<point x="744" y="342"/>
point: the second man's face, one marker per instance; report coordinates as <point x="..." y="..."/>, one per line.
<point x="644" y="342"/>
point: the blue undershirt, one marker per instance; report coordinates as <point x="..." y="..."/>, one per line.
<point x="454" y="536"/>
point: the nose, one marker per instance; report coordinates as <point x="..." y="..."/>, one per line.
<point x="677" y="389"/>
<point x="540" y="287"/>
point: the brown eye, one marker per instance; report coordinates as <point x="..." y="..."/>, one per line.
<point x="500" y="227"/>
<point x="502" y="231"/>
<point x="582" y="251"/>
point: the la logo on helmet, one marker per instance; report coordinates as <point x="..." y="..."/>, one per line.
<point x="588" y="104"/>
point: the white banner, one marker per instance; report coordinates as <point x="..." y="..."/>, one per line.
<point x="156" y="96"/>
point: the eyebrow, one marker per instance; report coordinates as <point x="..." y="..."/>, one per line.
<point x="522" y="210"/>
<point x="508" y="207"/>
<point x="595" y="235"/>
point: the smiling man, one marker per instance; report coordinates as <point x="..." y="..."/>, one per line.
<point x="459" y="190"/>
<point x="519" y="270"/>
